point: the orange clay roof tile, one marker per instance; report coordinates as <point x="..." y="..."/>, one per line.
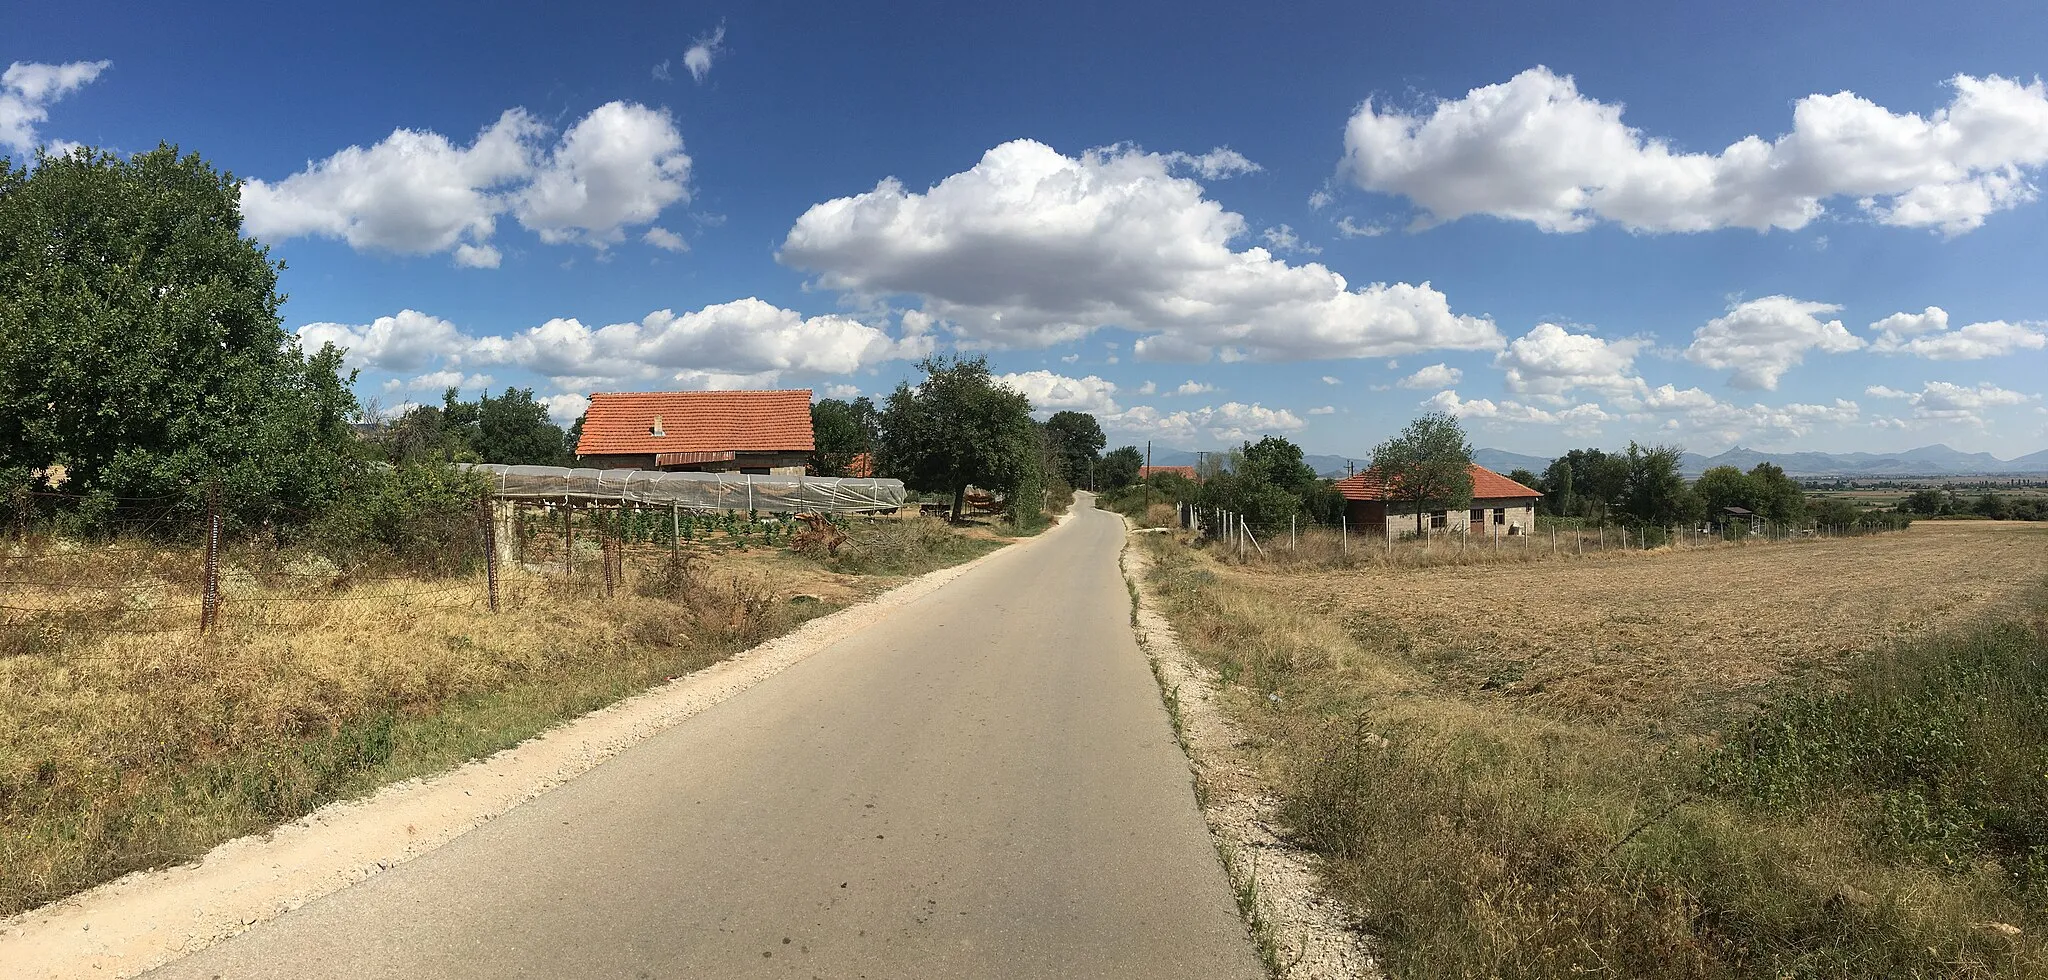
<point x="1486" y="485"/>
<point x="621" y="423"/>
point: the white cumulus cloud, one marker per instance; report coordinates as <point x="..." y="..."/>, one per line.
<point x="619" y="166"/>
<point x="1228" y="422"/>
<point x="1220" y="163"/>
<point x="1535" y="149"/>
<point x="1192" y="387"/>
<point x="407" y="342"/>
<point x="1433" y="376"/>
<point x="1031" y="248"/>
<point x="698" y="58"/>
<point x="1051" y="392"/>
<point x="1584" y="417"/>
<point x="665" y="239"/>
<point x="1926" y="334"/>
<point x="744" y="343"/>
<point x="1549" y="361"/>
<point x="1690" y="413"/>
<point x="1759" y="340"/>
<point x="26" y="90"/>
<point x="417" y="192"/>
<point x="1323" y="410"/>
<point x="1942" y="401"/>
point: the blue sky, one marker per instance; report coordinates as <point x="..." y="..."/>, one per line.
<point x="1569" y="225"/>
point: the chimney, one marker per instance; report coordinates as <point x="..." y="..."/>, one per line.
<point x="655" y="429"/>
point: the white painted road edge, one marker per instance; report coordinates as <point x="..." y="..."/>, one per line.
<point x="146" y="919"/>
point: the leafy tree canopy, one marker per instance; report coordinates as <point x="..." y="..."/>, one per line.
<point x="140" y="342"/>
<point x="1653" y="493"/>
<point x="841" y="430"/>
<point x="1428" y="465"/>
<point x="959" y="427"/>
<point x="512" y="428"/>
<point x="1119" y="468"/>
<point x="1075" y="439"/>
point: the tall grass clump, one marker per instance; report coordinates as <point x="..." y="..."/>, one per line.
<point x="903" y="546"/>
<point x="1889" y="824"/>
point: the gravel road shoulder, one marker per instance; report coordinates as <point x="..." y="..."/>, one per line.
<point x="1304" y="933"/>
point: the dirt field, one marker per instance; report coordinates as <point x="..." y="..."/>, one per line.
<point x="1674" y="637"/>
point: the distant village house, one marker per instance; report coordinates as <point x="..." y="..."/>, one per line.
<point x="1147" y="472"/>
<point x="1499" y="506"/>
<point x="759" y="432"/>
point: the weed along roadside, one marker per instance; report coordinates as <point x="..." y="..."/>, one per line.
<point x="1300" y="930"/>
<point x="122" y="751"/>
<point x="1588" y="784"/>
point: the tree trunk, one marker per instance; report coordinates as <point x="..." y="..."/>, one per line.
<point x="1418" y="519"/>
<point x="960" y="504"/>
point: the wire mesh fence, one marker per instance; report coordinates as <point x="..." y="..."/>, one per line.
<point x="1231" y="535"/>
<point x="175" y="565"/>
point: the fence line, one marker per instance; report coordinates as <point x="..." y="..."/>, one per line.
<point x="230" y="578"/>
<point x="1239" y="537"/>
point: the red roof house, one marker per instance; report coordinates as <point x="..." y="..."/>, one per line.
<point x="1145" y="472"/>
<point x="1499" y="506"/>
<point x="709" y="431"/>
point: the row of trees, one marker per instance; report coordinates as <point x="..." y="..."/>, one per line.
<point x="1949" y="503"/>
<point x="1642" y="486"/>
<point x="511" y="428"/>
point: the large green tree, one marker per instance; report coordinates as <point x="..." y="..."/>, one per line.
<point x="1725" y="486"/>
<point x="1654" y="493"/>
<point x="140" y="342"/>
<point x="1429" y="465"/>
<point x="841" y="430"/>
<point x="511" y="428"/>
<point x="1778" y="497"/>
<point x="1119" y="468"/>
<point x="959" y="427"/>
<point x="1076" y="439"/>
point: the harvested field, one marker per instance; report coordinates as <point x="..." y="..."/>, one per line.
<point x="1663" y="763"/>
<point x="1641" y="635"/>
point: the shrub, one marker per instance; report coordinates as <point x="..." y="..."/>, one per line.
<point x="421" y="516"/>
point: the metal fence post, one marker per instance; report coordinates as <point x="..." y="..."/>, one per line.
<point x="490" y="529"/>
<point x="209" y="602"/>
<point x="568" y="542"/>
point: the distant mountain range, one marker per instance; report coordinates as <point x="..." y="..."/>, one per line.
<point x="1936" y="460"/>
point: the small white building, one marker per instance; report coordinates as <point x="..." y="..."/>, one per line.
<point x="1499" y="506"/>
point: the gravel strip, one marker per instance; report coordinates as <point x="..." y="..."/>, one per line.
<point x="1313" y="936"/>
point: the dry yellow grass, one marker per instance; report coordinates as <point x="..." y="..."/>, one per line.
<point x="1638" y="635"/>
<point x="1500" y="761"/>
<point x="122" y="749"/>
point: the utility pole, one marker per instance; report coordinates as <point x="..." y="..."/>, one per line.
<point x="1148" y="474"/>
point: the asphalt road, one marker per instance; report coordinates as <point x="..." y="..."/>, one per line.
<point x="982" y="785"/>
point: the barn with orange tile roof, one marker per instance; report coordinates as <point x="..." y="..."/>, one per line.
<point x="1146" y="472"/>
<point x="1499" y="506"/>
<point x="764" y="432"/>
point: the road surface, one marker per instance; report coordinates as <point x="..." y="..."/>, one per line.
<point x="984" y="784"/>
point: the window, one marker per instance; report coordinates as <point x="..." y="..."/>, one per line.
<point x="1439" y="519"/>
<point x="1500" y="515"/>
<point x="1478" y="519"/>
